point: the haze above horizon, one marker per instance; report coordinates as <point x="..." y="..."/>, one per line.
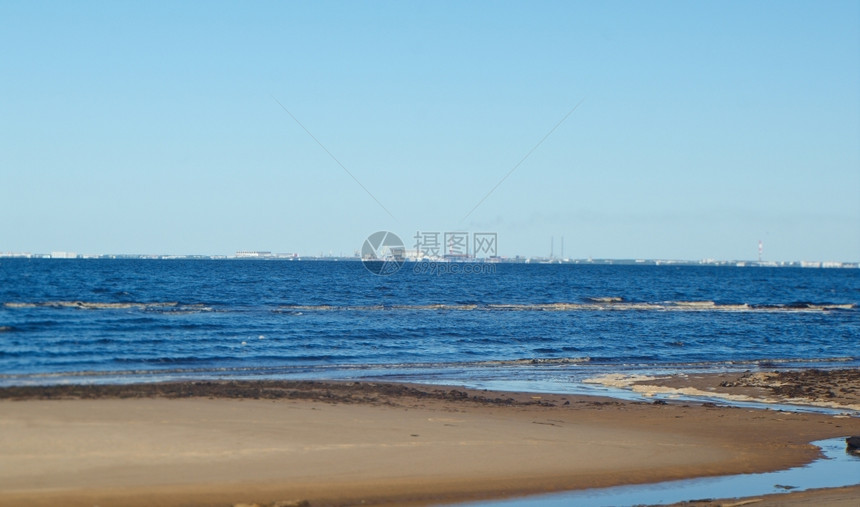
<point x="701" y="128"/>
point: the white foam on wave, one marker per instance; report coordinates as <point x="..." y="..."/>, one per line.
<point x="172" y="306"/>
<point x="597" y="304"/>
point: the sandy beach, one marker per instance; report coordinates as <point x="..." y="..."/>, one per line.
<point x="340" y="443"/>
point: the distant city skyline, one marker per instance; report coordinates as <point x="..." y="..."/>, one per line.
<point x="655" y="130"/>
<point x="415" y="254"/>
<point x="757" y="253"/>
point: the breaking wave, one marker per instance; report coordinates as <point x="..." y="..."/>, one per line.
<point x="593" y="304"/>
<point x="97" y="305"/>
<point x="590" y="304"/>
<point x="572" y="368"/>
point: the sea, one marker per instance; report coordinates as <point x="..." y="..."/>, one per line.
<point x="509" y="326"/>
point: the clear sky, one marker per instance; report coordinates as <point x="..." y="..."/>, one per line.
<point x="704" y="127"/>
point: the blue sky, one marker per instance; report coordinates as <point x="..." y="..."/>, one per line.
<point x="704" y="127"/>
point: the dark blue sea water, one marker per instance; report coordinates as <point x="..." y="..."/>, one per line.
<point x="523" y="324"/>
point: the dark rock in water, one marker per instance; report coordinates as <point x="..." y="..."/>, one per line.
<point x="853" y="444"/>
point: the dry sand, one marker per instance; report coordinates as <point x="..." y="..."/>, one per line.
<point x="345" y="443"/>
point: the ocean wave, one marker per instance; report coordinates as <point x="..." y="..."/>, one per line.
<point x="727" y="363"/>
<point x="585" y="367"/>
<point x="166" y="306"/>
<point x="543" y="361"/>
<point x="605" y="299"/>
<point x="591" y="304"/>
<point x="605" y="362"/>
<point x="786" y="360"/>
<point x="286" y="368"/>
<point x="595" y="304"/>
<point x="368" y="308"/>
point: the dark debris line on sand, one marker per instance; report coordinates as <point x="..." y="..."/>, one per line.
<point x="331" y="392"/>
<point x="811" y="384"/>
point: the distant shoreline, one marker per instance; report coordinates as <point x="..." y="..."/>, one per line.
<point x="456" y="259"/>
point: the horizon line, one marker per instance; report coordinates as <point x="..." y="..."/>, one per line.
<point x="270" y="256"/>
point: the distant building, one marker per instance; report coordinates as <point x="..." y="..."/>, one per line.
<point x="21" y="255"/>
<point x="64" y="255"/>
<point x="256" y="254"/>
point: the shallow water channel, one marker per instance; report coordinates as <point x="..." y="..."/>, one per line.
<point x="836" y="469"/>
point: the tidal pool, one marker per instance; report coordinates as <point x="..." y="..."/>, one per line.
<point x="836" y="469"/>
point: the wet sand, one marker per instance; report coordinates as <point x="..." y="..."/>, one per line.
<point x="838" y="388"/>
<point x="833" y="497"/>
<point x="330" y="443"/>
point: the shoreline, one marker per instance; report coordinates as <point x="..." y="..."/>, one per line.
<point x="831" y="497"/>
<point x="337" y="443"/>
<point x="837" y="389"/>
